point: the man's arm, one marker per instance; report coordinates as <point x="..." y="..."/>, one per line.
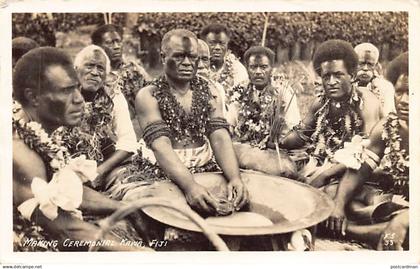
<point x="25" y="169"/>
<point x="354" y="179"/>
<point x="371" y="111"/>
<point x="126" y="143"/>
<point x="297" y="137"/>
<point x="225" y="155"/>
<point x="147" y="110"/>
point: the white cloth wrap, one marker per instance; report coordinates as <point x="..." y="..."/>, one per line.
<point x="190" y="157"/>
<point x="65" y="190"/>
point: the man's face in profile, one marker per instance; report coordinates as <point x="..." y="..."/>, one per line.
<point x="203" y="66"/>
<point x="60" y="101"/>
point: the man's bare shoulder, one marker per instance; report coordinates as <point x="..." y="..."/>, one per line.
<point x="26" y="162"/>
<point x="377" y="143"/>
<point x="370" y="99"/>
<point x="145" y="96"/>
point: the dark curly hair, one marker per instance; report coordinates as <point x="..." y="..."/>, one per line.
<point x="259" y="50"/>
<point x="336" y="49"/>
<point x="397" y="67"/>
<point x="29" y="71"/>
<point x="215" y="28"/>
<point x="96" y="36"/>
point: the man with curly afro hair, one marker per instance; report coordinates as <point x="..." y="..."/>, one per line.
<point x="388" y="145"/>
<point x="336" y="116"/>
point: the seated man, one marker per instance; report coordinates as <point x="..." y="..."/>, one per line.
<point x="128" y="76"/>
<point x="368" y="78"/>
<point x="106" y="121"/>
<point x="389" y="141"/>
<point x="336" y="116"/>
<point x="47" y="181"/>
<point x="263" y="113"/>
<point x="182" y="121"/>
<point x="225" y="68"/>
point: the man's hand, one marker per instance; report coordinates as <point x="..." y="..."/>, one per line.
<point x="394" y="234"/>
<point x="337" y="222"/>
<point x="200" y="199"/>
<point x="238" y="193"/>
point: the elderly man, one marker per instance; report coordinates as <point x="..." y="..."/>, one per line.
<point x="182" y="121"/>
<point x="106" y="118"/>
<point x="225" y="68"/>
<point x="47" y="180"/>
<point x="335" y="117"/>
<point x="369" y="79"/>
<point x="128" y="76"/>
<point x="389" y="141"/>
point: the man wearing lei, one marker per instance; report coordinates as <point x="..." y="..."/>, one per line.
<point x="263" y="112"/>
<point x="183" y="127"/>
<point x="127" y="76"/>
<point x="182" y="121"/>
<point x="368" y="77"/>
<point x="388" y="197"/>
<point x="225" y="68"/>
<point x="48" y="183"/>
<point x="108" y="134"/>
<point x="334" y="117"/>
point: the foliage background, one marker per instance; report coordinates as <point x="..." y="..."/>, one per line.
<point x="286" y="30"/>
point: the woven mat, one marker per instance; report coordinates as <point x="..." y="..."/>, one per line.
<point x="337" y="245"/>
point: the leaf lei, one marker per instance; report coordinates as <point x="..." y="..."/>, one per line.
<point x="330" y="135"/>
<point x="257" y="110"/>
<point x="225" y="77"/>
<point x="187" y="127"/>
<point x="49" y="148"/>
<point x="395" y="161"/>
<point x="96" y="126"/>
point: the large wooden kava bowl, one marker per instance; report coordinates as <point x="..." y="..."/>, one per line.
<point x="277" y="205"/>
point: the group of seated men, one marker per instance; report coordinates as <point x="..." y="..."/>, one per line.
<point x="73" y="119"/>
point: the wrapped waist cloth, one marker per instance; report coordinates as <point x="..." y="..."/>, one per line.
<point x="143" y="170"/>
<point x="190" y="157"/>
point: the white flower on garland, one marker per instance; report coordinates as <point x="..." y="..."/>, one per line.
<point x="353" y="154"/>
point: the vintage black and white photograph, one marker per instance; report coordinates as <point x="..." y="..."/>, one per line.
<point x="210" y="131"/>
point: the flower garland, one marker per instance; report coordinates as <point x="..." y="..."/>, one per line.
<point x="225" y="76"/>
<point x="94" y="131"/>
<point x="332" y="131"/>
<point x="395" y="161"/>
<point x="257" y="110"/>
<point x="50" y="149"/>
<point x="187" y="127"/>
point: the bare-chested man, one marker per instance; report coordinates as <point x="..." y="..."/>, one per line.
<point x="47" y="181"/>
<point x="389" y="142"/>
<point x="182" y="121"/>
<point x="335" y="117"/>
